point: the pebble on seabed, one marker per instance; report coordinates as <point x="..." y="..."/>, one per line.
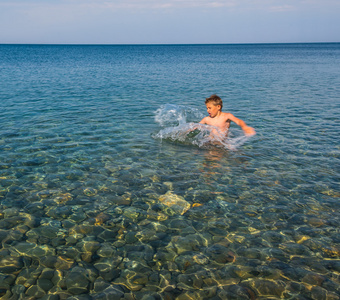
<point x="175" y="202"/>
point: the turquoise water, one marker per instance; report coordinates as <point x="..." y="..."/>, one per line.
<point x="104" y="194"/>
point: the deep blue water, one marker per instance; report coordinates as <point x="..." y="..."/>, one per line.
<point x="92" y="141"/>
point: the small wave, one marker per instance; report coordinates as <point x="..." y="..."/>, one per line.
<point x="180" y="126"/>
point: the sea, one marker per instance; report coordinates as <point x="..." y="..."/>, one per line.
<point x="109" y="189"/>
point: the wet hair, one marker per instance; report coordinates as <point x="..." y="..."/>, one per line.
<point x="215" y="100"/>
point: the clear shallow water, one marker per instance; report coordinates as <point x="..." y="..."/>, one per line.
<point x="92" y="162"/>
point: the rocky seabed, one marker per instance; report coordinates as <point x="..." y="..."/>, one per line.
<point x="161" y="246"/>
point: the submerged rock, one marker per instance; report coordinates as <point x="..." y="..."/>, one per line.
<point x="10" y="265"/>
<point x="265" y="288"/>
<point x="110" y="292"/>
<point x="107" y="267"/>
<point x="90" y="192"/>
<point x="220" y="254"/>
<point x="235" y="291"/>
<point x="35" y="291"/>
<point x="181" y="244"/>
<point x="177" y="203"/>
<point x="33" y="250"/>
<point x="77" y="281"/>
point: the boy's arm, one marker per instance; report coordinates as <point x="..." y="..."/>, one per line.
<point x="246" y="129"/>
<point x="192" y="128"/>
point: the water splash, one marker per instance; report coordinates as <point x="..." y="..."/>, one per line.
<point x="174" y="115"/>
<point x="179" y="125"/>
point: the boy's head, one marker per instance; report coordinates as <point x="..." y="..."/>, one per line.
<point x="215" y="100"/>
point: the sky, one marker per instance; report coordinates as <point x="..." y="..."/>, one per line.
<point x="168" y="21"/>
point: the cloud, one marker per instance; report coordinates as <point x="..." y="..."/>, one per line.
<point x="152" y="4"/>
<point x="282" y="8"/>
<point x="121" y="4"/>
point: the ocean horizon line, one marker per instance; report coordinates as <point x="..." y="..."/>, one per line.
<point x="165" y="44"/>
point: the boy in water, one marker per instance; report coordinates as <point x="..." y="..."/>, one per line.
<point x="222" y="120"/>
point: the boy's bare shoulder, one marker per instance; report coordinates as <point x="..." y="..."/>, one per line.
<point x="204" y="120"/>
<point x="227" y="115"/>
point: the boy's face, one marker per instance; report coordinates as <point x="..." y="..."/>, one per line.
<point x="213" y="110"/>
